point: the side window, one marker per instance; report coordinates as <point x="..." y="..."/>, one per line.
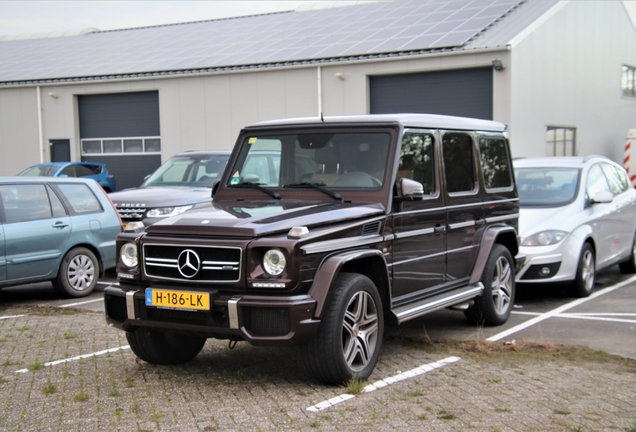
<point x="458" y="162"/>
<point x="68" y="171"/>
<point x="596" y="182"/>
<point x="56" y="204"/>
<point x="81" y="198"/>
<point x="23" y="203"/>
<point x="493" y="156"/>
<point x="417" y="160"/>
<point x="83" y="171"/>
<point x="615" y="179"/>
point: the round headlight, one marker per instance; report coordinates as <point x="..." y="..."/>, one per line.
<point x="274" y="262"/>
<point x="128" y="255"/>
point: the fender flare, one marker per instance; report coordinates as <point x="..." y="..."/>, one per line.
<point x="487" y="241"/>
<point x="329" y="269"/>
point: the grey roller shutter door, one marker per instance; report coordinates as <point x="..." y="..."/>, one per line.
<point x="119" y="115"/>
<point x="461" y="92"/>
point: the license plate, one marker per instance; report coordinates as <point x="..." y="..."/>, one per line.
<point x="187" y="300"/>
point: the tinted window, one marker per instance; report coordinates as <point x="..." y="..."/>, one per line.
<point x="86" y="170"/>
<point x="494" y="163"/>
<point x="458" y="163"/>
<point x="417" y="160"/>
<point x="68" y="171"/>
<point x="25" y="202"/>
<point x="81" y="198"/>
<point x="551" y="187"/>
<point x="596" y="182"/>
<point x="615" y="179"/>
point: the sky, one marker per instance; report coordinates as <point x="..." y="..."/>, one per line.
<point x="31" y="17"/>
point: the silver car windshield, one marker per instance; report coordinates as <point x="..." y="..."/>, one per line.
<point x="547" y="186"/>
<point x="192" y="170"/>
<point x="328" y="160"/>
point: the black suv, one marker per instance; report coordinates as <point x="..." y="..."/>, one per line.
<point x="320" y="230"/>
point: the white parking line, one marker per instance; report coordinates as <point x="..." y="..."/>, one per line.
<point x="557" y="311"/>
<point x="595" y="318"/>
<point x="82" y="302"/>
<point x="385" y="382"/>
<point x="11" y="316"/>
<point x="98" y="353"/>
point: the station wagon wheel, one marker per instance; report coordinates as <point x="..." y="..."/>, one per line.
<point x="164" y="347"/>
<point x="583" y="284"/>
<point x="350" y="335"/>
<point x="493" y="307"/>
<point x="78" y="273"/>
<point x="629" y="265"/>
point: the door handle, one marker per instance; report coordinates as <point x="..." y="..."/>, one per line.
<point x="60" y="225"/>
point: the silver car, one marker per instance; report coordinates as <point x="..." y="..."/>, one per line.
<point x="578" y="216"/>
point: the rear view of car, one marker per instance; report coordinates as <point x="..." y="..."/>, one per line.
<point x="92" y="170"/>
<point x="578" y="216"/>
<point x="61" y="230"/>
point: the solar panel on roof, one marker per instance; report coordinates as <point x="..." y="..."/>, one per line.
<point x="367" y="29"/>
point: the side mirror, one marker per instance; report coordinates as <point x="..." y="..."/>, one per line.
<point x="603" y="197"/>
<point x="215" y="187"/>
<point x="410" y="189"/>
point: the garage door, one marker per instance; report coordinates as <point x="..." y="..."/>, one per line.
<point x="121" y="130"/>
<point x="462" y="92"/>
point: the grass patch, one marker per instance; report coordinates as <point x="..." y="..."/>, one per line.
<point x="9" y="363"/>
<point x="48" y="310"/>
<point x="36" y="365"/>
<point x="631" y="428"/>
<point x="113" y="393"/>
<point x="502" y="410"/>
<point x="355" y="386"/>
<point x="48" y="389"/>
<point x="422" y="416"/>
<point x="521" y="351"/>
<point x="445" y="415"/>
<point x="314" y="424"/>
<point x="80" y="397"/>
<point x="68" y="336"/>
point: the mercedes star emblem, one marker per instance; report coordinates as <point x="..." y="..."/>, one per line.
<point x="189" y="263"/>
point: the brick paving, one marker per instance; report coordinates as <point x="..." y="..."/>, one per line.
<point x="262" y="389"/>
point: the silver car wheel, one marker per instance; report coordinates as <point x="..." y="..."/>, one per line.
<point x="80" y="273"/>
<point x="502" y="285"/>
<point x="360" y="330"/>
<point x="587" y="269"/>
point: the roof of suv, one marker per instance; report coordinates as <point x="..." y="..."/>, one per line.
<point x="407" y="120"/>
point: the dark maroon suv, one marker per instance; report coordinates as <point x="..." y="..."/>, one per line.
<point x="322" y="229"/>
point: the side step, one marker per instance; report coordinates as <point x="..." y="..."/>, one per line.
<point x="440" y="301"/>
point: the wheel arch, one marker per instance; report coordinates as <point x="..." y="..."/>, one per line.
<point x="93" y="249"/>
<point x="369" y="262"/>
<point x="503" y="235"/>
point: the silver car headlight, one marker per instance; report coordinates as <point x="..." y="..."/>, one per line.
<point x="164" y="212"/>
<point x="128" y="255"/>
<point x="274" y="262"/>
<point x="544" y="238"/>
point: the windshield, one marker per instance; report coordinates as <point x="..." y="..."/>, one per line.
<point x="189" y="170"/>
<point x="332" y="160"/>
<point x="547" y="187"/>
<point x="36" y="171"/>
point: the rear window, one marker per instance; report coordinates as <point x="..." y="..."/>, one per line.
<point x="81" y="198"/>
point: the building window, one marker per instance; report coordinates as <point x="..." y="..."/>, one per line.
<point x="627" y="81"/>
<point x="115" y="145"/>
<point x="560" y="141"/>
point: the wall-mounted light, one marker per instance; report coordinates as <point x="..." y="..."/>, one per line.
<point x="341" y="75"/>
<point x="53" y="95"/>
<point x="497" y="65"/>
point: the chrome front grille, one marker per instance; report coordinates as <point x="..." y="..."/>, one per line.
<point x="131" y="214"/>
<point x="192" y="263"/>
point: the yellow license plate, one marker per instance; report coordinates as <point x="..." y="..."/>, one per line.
<point x="177" y="299"/>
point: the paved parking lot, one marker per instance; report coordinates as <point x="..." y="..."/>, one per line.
<point x="63" y="368"/>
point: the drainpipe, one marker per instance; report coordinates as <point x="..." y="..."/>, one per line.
<point x="319" y="78"/>
<point x="40" y="132"/>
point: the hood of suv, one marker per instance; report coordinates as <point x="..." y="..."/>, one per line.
<point x="261" y="218"/>
<point x="155" y="197"/>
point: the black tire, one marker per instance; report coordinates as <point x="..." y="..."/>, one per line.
<point x="583" y="284"/>
<point x="164" y="347"/>
<point x="78" y="273"/>
<point x="629" y="265"/>
<point x="349" y="337"/>
<point x="493" y="307"/>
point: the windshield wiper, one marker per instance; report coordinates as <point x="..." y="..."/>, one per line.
<point x="258" y="186"/>
<point x="319" y="187"/>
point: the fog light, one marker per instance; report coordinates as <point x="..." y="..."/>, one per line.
<point x="545" y="271"/>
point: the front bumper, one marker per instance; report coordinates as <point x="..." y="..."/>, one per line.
<point x="259" y="320"/>
<point x="549" y="264"/>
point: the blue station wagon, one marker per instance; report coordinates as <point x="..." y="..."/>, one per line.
<point x="56" y="229"/>
<point x="92" y="170"/>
